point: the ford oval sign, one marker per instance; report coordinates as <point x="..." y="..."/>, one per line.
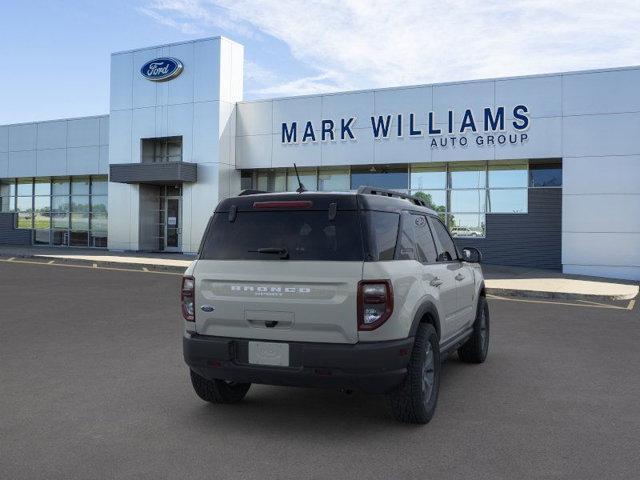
<point x="162" y="69"/>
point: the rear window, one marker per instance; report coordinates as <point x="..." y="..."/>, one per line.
<point x="302" y="234"/>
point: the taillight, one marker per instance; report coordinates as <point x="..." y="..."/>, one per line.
<point x="375" y="303"/>
<point x="187" y="298"/>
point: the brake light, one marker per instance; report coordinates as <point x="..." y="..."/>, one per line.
<point x="284" y="204"/>
<point x="187" y="298"/>
<point x="375" y="303"/>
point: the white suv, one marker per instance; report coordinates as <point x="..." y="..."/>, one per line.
<point x="357" y="291"/>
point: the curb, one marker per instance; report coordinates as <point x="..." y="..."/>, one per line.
<point x="507" y="292"/>
<point x="106" y="263"/>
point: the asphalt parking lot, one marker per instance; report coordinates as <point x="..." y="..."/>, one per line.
<point x="92" y="385"/>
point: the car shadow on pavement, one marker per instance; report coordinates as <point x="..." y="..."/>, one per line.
<point x="307" y="411"/>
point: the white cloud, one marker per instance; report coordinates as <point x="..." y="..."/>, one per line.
<point x="367" y="43"/>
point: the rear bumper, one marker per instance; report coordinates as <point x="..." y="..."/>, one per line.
<point x="372" y="367"/>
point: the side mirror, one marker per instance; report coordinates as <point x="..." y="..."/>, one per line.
<point x="471" y="255"/>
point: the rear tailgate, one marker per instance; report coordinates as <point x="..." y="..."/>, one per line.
<point x="281" y="267"/>
<point x="278" y="300"/>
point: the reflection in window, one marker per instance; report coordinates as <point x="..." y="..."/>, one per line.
<point x="435" y="199"/>
<point x="308" y="177"/>
<point x="25" y="188"/>
<point x="272" y="181"/>
<point x="508" y="201"/>
<point x="80" y="186"/>
<point x="7" y="195"/>
<point x="58" y="209"/>
<point x="99" y="185"/>
<point x="383" y="176"/>
<point x="431" y="177"/>
<point x="80" y="203"/>
<point x="99" y="204"/>
<point x="79" y="221"/>
<point x="42" y="186"/>
<point x="333" y="179"/>
<point x="467" y="224"/>
<point x="468" y="201"/>
<point x="468" y="176"/>
<point x="60" y="186"/>
<point x="24" y="207"/>
<point x="545" y="175"/>
<point x="508" y="176"/>
<point x="42" y="212"/>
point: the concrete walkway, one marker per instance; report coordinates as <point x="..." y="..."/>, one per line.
<point x="177" y="262"/>
<point x="499" y="280"/>
<point x="539" y="283"/>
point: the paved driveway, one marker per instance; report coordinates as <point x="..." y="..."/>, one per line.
<point x="92" y="385"/>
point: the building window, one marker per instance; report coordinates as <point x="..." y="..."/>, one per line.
<point x="8" y="195"/>
<point x="333" y="179"/>
<point x="508" y="188"/>
<point x="545" y="174"/>
<point x="161" y="150"/>
<point x="463" y="193"/>
<point x="272" y="181"/>
<point x="246" y="180"/>
<point x="394" y="177"/>
<point x="308" y="177"/>
<point x="467" y="199"/>
<point x="60" y="211"/>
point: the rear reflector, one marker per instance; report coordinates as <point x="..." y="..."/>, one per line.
<point x="284" y="204"/>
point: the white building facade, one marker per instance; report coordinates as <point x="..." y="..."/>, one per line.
<point x="535" y="171"/>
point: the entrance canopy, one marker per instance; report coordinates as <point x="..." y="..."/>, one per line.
<point x="169" y="173"/>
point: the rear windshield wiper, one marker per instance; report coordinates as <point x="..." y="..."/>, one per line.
<point x="284" y="254"/>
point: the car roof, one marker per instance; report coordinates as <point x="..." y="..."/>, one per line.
<point x="321" y="200"/>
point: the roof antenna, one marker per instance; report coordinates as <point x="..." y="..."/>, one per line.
<point x="301" y="188"/>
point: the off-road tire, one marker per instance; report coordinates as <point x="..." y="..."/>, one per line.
<point x="218" y="391"/>
<point x="414" y="401"/>
<point x="476" y="347"/>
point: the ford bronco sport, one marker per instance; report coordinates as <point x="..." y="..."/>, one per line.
<point x="356" y="291"/>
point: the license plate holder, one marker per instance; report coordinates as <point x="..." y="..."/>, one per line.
<point x="274" y="354"/>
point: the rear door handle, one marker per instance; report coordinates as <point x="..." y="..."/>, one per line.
<point x="436" y="282"/>
<point x="459" y="277"/>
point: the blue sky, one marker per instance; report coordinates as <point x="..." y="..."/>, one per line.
<point x="56" y="53"/>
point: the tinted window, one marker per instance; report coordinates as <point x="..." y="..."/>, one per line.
<point x="406" y="239"/>
<point x="382" y="234"/>
<point x="446" y="247"/>
<point x="545" y="175"/>
<point x="426" y="249"/>
<point x="306" y="235"/>
<point x="381" y="176"/>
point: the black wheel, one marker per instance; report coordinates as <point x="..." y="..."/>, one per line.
<point x="218" y="391"/>
<point x="476" y="347"/>
<point x="415" y="400"/>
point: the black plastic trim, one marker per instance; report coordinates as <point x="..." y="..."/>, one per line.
<point x="373" y="367"/>
<point x="426" y="308"/>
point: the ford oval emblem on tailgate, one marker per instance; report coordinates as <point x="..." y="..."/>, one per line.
<point x="207" y="308"/>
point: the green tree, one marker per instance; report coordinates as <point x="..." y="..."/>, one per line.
<point x="426" y="198"/>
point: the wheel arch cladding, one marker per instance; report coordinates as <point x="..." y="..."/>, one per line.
<point x="427" y="313"/>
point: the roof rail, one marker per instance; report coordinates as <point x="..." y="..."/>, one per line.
<point x="250" y="192"/>
<point x="391" y="193"/>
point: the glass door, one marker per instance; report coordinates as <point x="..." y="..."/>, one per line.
<point x="173" y="230"/>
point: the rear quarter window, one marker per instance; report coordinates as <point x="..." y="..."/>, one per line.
<point x="381" y="234"/>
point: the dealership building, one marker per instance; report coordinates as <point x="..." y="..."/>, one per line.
<point x="540" y="171"/>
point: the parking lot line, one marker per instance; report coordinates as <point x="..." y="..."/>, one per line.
<point x="90" y="267"/>
<point x="587" y="303"/>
